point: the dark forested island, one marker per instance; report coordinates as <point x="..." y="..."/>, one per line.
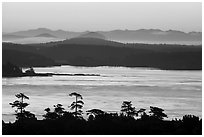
<point x="11" y="70"/>
<point x="99" y="52"/>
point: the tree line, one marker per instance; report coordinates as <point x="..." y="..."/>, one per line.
<point x="127" y="109"/>
<point x="128" y="121"/>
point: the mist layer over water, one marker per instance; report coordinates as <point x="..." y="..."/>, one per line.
<point x="177" y="92"/>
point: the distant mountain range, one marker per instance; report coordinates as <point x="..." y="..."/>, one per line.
<point x="151" y="36"/>
<point x="7" y="37"/>
<point x="92" y="35"/>
<point x="35" y="32"/>
<point x="46" y="35"/>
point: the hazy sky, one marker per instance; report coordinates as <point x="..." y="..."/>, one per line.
<point x="102" y="16"/>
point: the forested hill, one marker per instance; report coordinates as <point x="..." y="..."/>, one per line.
<point x="79" y="52"/>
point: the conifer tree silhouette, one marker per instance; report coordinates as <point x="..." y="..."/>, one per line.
<point x="20" y="106"/>
<point x="77" y="104"/>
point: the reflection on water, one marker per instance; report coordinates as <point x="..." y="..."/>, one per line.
<point x="177" y="92"/>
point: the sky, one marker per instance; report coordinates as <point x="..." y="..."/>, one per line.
<point x="182" y="16"/>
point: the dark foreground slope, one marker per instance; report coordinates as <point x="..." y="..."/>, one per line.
<point x="107" y="124"/>
<point x="129" y="121"/>
<point x="105" y="53"/>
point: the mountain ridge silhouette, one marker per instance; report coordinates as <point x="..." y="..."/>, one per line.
<point x="125" y="36"/>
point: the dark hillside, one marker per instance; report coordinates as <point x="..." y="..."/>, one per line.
<point x="98" y="52"/>
<point x="25" y="59"/>
<point x="94" y="55"/>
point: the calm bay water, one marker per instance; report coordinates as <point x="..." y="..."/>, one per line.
<point x="177" y="92"/>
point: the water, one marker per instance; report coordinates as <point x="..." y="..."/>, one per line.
<point x="177" y="92"/>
